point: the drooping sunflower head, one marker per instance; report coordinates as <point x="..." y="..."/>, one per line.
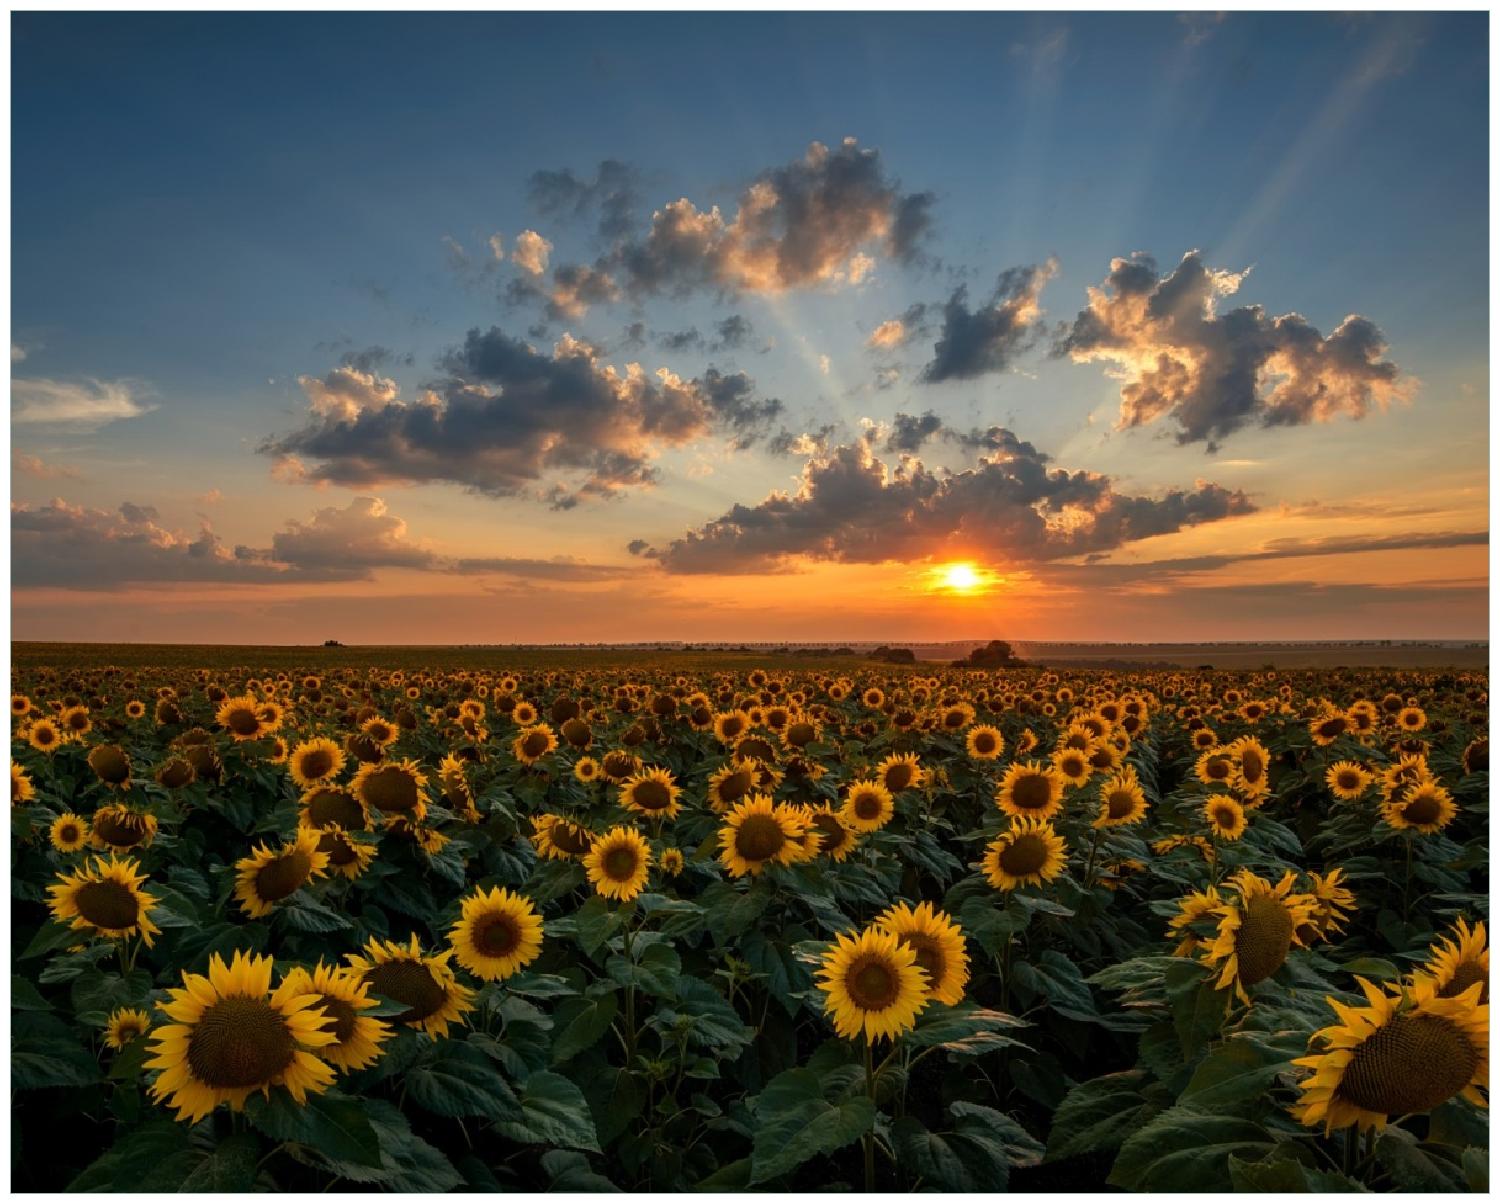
<point x="900" y="771"/>
<point x="1425" y="807"/>
<point x="326" y="806"/>
<point x="341" y="995"/>
<point x="1258" y="927"/>
<point x="21" y="789"/>
<point x="872" y="985"/>
<point x="758" y="832"/>
<point x="431" y="993"/>
<point x="69" y="833"/>
<point x="1028" y="853"/>
<point x="1347" y="780"/>
<point x="231" y="1037"/>
<point x="836" y="837"/>
<point x="1225" y="816"/>
<point x="652" y="793"/>
<point x="1476" y="758"/>
<point x="124" y="1026"/>
<point x="118" y="827"/>
<point x="1332" y="902"/>
<point x="111" y="765"/>
<point x="619" y="764"/>
<point x="347" y="855"/>
<point x="619" y="863"/>
<point x="1031" y="790"/>
<point x="938" y="943"/>
<point x="268" y="876"/>
<point x="105" y="899"/>
<point x="868" y="806"/>
<point x="984" y="743"/>
<point x="394" y="788"/>
<point x="315" y="761"/>
<point x="1407" y="1051"/>
<point x="498" y="932"/>
<point x="1457" y="961"/>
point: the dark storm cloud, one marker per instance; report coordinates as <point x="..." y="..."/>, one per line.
<point x="1214" y="373"/>
<point x="910" y="431"/>
<point x="732" y="333"/>
<point x="976" y="342"/>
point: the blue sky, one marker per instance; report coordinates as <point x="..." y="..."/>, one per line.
<point x="207" y="208"/>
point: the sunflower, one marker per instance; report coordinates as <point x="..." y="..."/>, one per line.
<point x="1074" y="765"/>
<point x="1121" y="801"/>
<point x="586" y="770"/>
<point x="984" y="743"/>
<point x="233" y="1037"/>
<point x="1411" y="719"/>
<point x="900" y="771"/>
<point x="672" y="861"/>
<point x="268" y="876"/>
<point x="868" y="806"/>
<point x="533" y="744"/>
<point x="729" y="726"/>
<point x="1425" y="807"/>
<point x="497" y="934"/>
<point x="872" y="985"/>
<point x="1031" y="790"/>
<point x="1225" y="816"/>
<point x="1329" y="726"/>
<point x="1257" y="930"/>
<point x="394" y="787"/>
<point x="342" y="996"/>
<point x="382" y="731"/>
<point x="75" y="723"/>
<point x="433" y="996"/>
<point x="1457" y="962"/>
<point x="836" y="837"/>
<point x="315" y="761"/>
<point x="758" y="833"/>
<point x="651" y="793"/>
<point x="1214" y="767"/>
<point x="20" y="706"/>
<point x="21" y="789"/>
<point x="68" y="832"/>
<point x="1251" y="765"/>
<point x="730" y="783"/>
<point x="240" y="717"/>
<point x="1476" y="757"/>
<point x="347" y="855"/>
<point x="329" y="806"/>
<point x="619" y="863"/>
<point x="135" y="709"/>
<point x="115" y="826"/>
<point x="560" y="839"/>
<point x="939" y="945"/>
<point x="1332" y="903"/>
<point x="1029" y="853"/>
<point x="619" y="764"/>
<point x="1347" y="780"/>
<point x="124" y="1026"/>
<point x="1191" y="908"/>
<point x="105" y="900"/>
<point x="43" y="735"/>
<point x="1406" y="1052"/>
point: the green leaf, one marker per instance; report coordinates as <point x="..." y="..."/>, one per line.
<point x="336" y="1126"/>
<point x="580" y="1023"/>
<point x="656" y="969"/>
<point x="703" y="1016"/>
<point x="1233" y="1075"/>
<point x="1054" y="976"/>
<point x="51" y="936"/>
<point x="44" y="1052"/>
<point x="729" y="911"/>
<point x="930" y="1157"/>
<point x="1099" y="1115"/>
<point x="1185" y="1150"/>
<point x="965" y="1029"/>
<point x="553" y="1112"/>
<point x="1418" y="1167"/>
<point x="1372" y="967"/>
<point x="1283" y="1173"/>
<point x="458" y="1080"/>
<point x="570" y="1171"/>
<point x="732" y="1176"/>
<point x="231" y="1166"/>
<point x="156" y="1156"/>
<point x="793" y="1122"/>
<point x="26" y="998"/>
<point x="1198" y="1009"/>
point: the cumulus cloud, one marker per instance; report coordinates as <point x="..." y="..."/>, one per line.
<point x="910" y="431"/>
<point x="611" y="195"/>
<point x="732" y="333"/>
<point x="530" y="252"/>
<point x="506" y="416"/>
<point x="853" y="507"/>
<point x="1213" y="373"/>
<point x="85" y="405"/>
<point x="348" y="391"/>
<point x="37" y="468"/>
<point x="17" y="353"/>
<point x="576" y="287"/>
<point x="361" y="536"/>
<point x="987" y="339"/>
<point x="680" y="340"/>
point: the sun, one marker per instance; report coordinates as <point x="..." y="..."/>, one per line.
<point x="961" y="578"/>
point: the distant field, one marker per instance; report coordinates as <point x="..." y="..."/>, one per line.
<point x="1220" y="656"/>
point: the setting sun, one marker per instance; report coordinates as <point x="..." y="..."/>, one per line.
<point x="961" y="578"/>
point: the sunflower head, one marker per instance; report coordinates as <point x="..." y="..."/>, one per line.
<point x="938" y="943"/>
<point x="111" y="765"/>
<point x="619" y="863"/>
<point x="241" y="717"/>
<point x="837" y="838"/>
<point x="900" y="771"/>
<point x="758" y="833"/>
<point x="105" y="899"/>
<point x="1226" y="816"/>
<point x="315" y="761"/>
<point x="652" y="793"/>
<point x="268" y="876"/>
<point x="21" y="789"/>
<point x="497" y="933"/>
<point x="1457" y="961"/>
<point x="984" y="743"/>
<point x="1258" y="927"/>
<point x="327" y="806"/>
<point x="69" y="833"/>
<point x="124" y="1026"/>
<point x="872" y="985"/>
<point x="432" y="995"/>
<point x="1028" y="853"/>
<point x="394" y="788"/>
<point x="341" y="995"/>
<point x="118" y="827"/>
<point x="1121" y="801"/>
<point x="1348" y="780"/>
<point x="1424" y="806"/>
<point x="1031" y="790"/>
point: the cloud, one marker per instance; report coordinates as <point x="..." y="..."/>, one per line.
<point x="530" y="252"/>
<point x="508" y="417"/>
<point x="976" y="342"/>
<point x="561" y="569"/>
<point x="1199" y="26"/>
<point x="1013" y="507"/>
<point x="37" y="468"/>
<point x="361" y="536"/>
<point x="681" y="340"/>
<point x="909" y="432"/>
<point x="17" y="353"/>
<point x="732" y="333"/>
<point x="1213" y="374"/>
<point x="347" y="391"/>
<point x="613" y="195"/>
<point x="806" y="443"/>
<point x="577" y="287"/>
<point x="87" y="404"/>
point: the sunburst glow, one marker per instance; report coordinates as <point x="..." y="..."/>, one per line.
<point x="961" y="579"/>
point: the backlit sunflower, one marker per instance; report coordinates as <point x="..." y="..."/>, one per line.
<point x="1191" y="909"/>
<point x="1424" y="807"/>
<point x="392" y="787"/>
<point x="984" y="742"/>
<point x="619" y="863"/>
<point x="533" y="744"/>
<point x="326" y="806"/>
<point x="1347" y="780"/>
<point x="232" y="1037"/>
<point x="758" y="833"/>
<point x="497" y="933"/>
<point x="105" y="900"/>
<point x="900" y="771"/>
<point x="240" y="717"/>
<point x="43" y="735"/>
<point x="124" y="1026"/>
<point x="1029" y="853"/>
<point x="872" y="985"/>
<point x="68" y="832"/>
<point x="1458" y="961"/>
<point x="836" y="838"/>
<point x="1332" y="903"/>
<point x="21" y="789"/>
<point x="268" y="876"/>
<point x="118" y="827"/>
<point x="315" y="761"/>
<point x="651" y="793"/>
<point x="938" y="943"/>
<point x="868" y="806"/>
<point x="1121" y="801"/>
<point x="341" y="995"/>
<point x="111" y="765"/>
<point x="433" y="996"/>
<point x="1031" y="790"/>
<point x="1405" y="1053"/>
<point x="1257" y="928"/>
<point x="347" y="855"/>
<point x="1225" y="816"/>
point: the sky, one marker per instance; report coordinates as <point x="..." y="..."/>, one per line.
<point x="488" y="328"/>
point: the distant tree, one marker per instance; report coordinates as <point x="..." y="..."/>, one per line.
<point x="894" y="656"/>
<point x="332" y="644"/>
<point x="997" y="654"/>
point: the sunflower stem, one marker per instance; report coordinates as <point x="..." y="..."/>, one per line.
<point x="869" y="1137"/>
<point x="629" y="1000"/>
<point x="1406" y="884"/>
<point x="1088" y="874"/>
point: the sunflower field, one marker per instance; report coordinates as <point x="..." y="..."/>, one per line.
<point x="682" y="927"/>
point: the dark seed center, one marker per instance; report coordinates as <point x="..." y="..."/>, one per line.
<point x="1023" y="856"/>
<point x="284" y="876"/>
<point x="240" y="1043"/>
<point x="759" y="838"/>
<point x="108" y="905"/>
<point x="407" y="982"/>
<point x="1412" y="1064"/>
<point x="1264" y="939"/>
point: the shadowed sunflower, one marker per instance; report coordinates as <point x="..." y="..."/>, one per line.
<point x="457" y="793"/>
<point x="21" y="789"/>
<point x="1028" y="854"/>
<point x="938" y="943"/>
<point x="672" y="861"/>
<point x="342" y="996"/>
<point x="1405" y="1053"/>
<point x="1329" y="726"/>
<point x="1347" y="780"/>
<point x="1225" y="816"/>
<point x="868" y="806"/>
<point x="1459" y="961"/>
<point x="729" y="726"/>
<point x="1215" y="767"/>
<point x="533" y="744"/>
<point x="111" y="765"/>
<point x="432" y="994"/>
<point x="315" y="761"/>
<point x="392" y="787"/>
<point x="1121" y="801"/>
<point x="118" y="828"/>
<point x="75" y="723"/>
<point x="1332" y="903"/>
<point x="240" y="717"/>
<point x="984" y="743"/>
<point x="619" y="863"/>
<point x="329" y="806"/>
<point x="758" y="833"/>
<point x="900" y="771"/>
<point x="619" y="764"/>
<point x="1031" y="790"/>
<point x="558" y="839"/>
<point x="1252" y="764"/>
<point x="43" y="735"/>
<point x="105" y="900"/>
<point x="1191" y="909"/>
<point x="651" y="793"/>
<point x="1424" y="807"/>
<point x="268" y="876"/>
<point x="730" y="783"/>
<point x="232" y="1037"/>
<point x="68" y="833"/>
<point x="124" y="1026"/>
<point x="498" y="932"/>
<point x="346" y="854"/>
<point x="836" y="838"/>
<point x="872" y="985"/>
<point x="1257" y="929"/>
